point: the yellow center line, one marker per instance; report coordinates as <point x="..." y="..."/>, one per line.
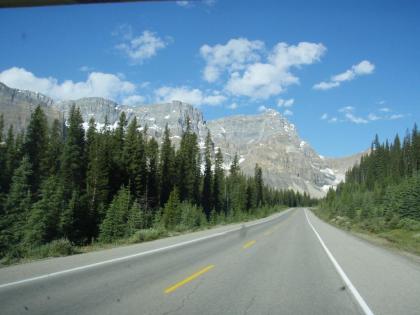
<point x="190" y="278"/>
<point x="249" y="244"/>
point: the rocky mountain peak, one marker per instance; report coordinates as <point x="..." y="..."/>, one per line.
<point x="268" y="138"/>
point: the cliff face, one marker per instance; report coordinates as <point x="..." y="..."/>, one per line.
<point x="17" y="105"/>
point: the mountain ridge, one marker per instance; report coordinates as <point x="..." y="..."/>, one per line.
<point x="268" y="138"/>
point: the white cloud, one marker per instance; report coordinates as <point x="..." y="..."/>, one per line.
<point x="333" y="120"/>
<point x="142" y="47"/>
<point x="355" y="119"/>
<point x="346" y="109"/>
<point x="285" y="103"/>
<point x="325" y="85"/>
<point x="187" y="4"/>
<point x="133" y="100"/>
<point x="188" y="95"/>
<point x="363" y="68"/>
<point x="183" y="3"/>
<point x="233" y="106"/>
<point x="97" y="84"/>
<point x="347" y="114"/>
<point x="232" y="56"/>
<point x="262" y="108"/>
<point x="86" y="69"/>
<point x="263" y="80"/>
<point x="288" y="112"/>
<point x="396" y="116"/>
<point x="373" y="117"/>
<point x="253" y="71"/>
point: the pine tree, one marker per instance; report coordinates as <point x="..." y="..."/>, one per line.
<point x="152" y="174"/>
<point x="17" y="207"/>
<point x="73" y="156"/>
<point x="43" y="221"/>
<point x="54" y="149"/>
<point x="11" y="159"/>
<point x="218" y="182"/>
<point x="188" y="166"/>
<point x="3" y="178"/>
<point x="136" y="219"/>
<point x="207" y="196"/>
<point x="68" y="219"/>
<point x="114" y="225"/>
<point x="171" y="212"/>
<point x="96" y="178"/>
<point x="116" y="154"/>
<point x="36" y="145"/>
<point x="234" y="166"/>
<point x="166" y="167"/>
<point x="259" y="184"/>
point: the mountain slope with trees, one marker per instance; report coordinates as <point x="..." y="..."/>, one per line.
<point x="61" y="185"/>
<point x="382" y="194"/>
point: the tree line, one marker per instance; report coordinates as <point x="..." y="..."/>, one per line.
<point x="383" y="191"/>
<point x="61" y="181"/>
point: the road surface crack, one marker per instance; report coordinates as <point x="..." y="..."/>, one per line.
<point x="251" y="302"/>
<point x="184" y="300"/>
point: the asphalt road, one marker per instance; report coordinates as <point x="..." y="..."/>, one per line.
<point x="279" y="265"/>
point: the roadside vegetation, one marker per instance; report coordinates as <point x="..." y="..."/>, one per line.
<point x="381" y="196"/>
<point x="65" y="190"/>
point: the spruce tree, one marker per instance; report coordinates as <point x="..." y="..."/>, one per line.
<point x="218" y="182"/>
<point x="16" y="210"/>
<point x="73" y="156"/>
<point x="96" y="178"/>
<point x="54" y="149"/>
<point x="36" y="145"/>
<point x="43" y="221"/>
<point x="258" y="178"/>
<point x="207" y="194"/>
<point x="2" y="162"/>
<point x="171" y="216"/>
<point x="152" y="174"/>
<point x="166" y="167"/>
<point x="114" y="225"/>
<point x="136" y="219"/>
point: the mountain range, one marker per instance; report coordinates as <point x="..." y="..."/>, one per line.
<point x="269" y="139"/>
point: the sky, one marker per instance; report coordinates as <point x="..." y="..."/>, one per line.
<point x="341" y="71"/>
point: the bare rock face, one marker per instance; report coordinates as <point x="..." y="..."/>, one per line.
<point x="268" y="139"/>
<point x="271" y="141"/>
<point x="17" y="106"/>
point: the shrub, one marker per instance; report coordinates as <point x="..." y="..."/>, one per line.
<point x="409" y="224"/>
<point x="145" y="235"/>
<point x="192" y="217"/>
<point x="56" y="248"/>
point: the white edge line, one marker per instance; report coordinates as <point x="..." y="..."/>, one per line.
<point x="152" y="251"/>
<point x="340" y="271"/>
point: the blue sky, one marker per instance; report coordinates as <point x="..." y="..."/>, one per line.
<point x="341" y="72"/>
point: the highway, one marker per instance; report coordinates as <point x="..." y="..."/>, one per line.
<point x="289" y="263"/>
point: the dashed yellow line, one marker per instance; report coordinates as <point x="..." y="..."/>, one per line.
<point x="249" y="244"/>
<point x="189" y="279"/>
